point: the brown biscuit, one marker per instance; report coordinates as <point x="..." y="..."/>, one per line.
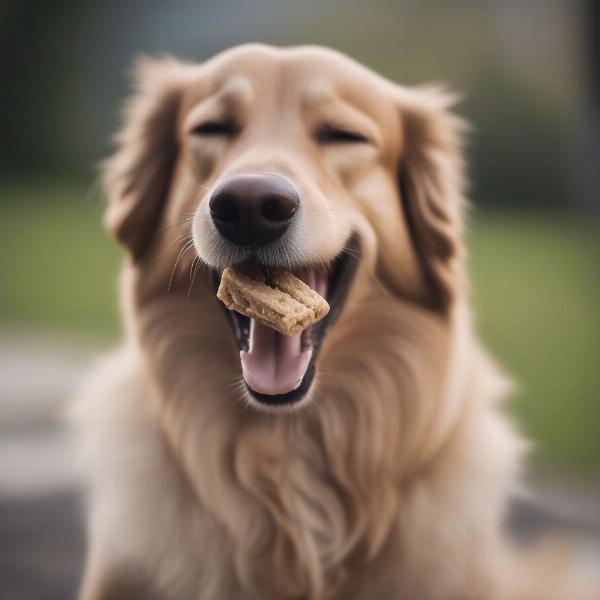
<point x="297" y="289"/>
<point x="285" y="303"/>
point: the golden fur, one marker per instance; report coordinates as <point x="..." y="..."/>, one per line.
<point x="391" y="481"/>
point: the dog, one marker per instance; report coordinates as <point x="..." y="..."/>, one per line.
<point x="367" y="458"/>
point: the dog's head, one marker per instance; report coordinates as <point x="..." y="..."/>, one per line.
<point x="297" y="158"/>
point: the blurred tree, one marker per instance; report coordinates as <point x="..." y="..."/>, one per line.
<point x="590" y="161"/>
<point x="519" y="146"/>
<point x="39" y="66"/>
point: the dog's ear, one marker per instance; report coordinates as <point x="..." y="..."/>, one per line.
<point x="432" y="182"/>
<point x="136" y="178"/>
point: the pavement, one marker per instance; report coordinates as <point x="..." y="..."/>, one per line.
<point x="41" y="534"/>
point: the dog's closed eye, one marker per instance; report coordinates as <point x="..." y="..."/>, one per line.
<point x="216" y="129"/>
<point x="332" y="134"/>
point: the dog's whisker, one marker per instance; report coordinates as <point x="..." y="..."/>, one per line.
<point x="351" y="252"/>
<point x="176" y="223"/>
<point x="203" y="186"/>
<point x="193" y="267"/>
<point x="180" y="239"/>
<point x="236" y="383"/>
<point x="238" y="389"/>
<point x="324" y="211"/>
<point x="188" y="246"/>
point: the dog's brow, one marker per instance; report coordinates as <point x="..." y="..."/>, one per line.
<point x="317" y="94"/>
<point x="320" y="99"/>
<point x="232" y="98"/>
<point x="236" y="93"/>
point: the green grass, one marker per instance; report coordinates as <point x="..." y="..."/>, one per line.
<point x="536" y="292"/>
<point x="57" y="265"/>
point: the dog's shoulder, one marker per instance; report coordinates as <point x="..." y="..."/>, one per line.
<point x="142" y="512"/>
<point x="110" y="416"/>
<point x="110" y="394"/>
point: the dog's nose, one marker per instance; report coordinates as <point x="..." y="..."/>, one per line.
<point x="253" y="209"/>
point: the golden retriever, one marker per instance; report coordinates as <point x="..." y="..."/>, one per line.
<point x="367" y="458"/>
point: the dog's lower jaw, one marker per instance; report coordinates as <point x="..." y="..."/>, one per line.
<point x="292" y="401"/>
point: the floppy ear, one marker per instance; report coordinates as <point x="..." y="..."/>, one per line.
<point x="136" y="178"/>
<point x="432" y="182"/>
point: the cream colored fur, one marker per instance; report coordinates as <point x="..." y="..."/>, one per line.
<point x="392" y="480"/>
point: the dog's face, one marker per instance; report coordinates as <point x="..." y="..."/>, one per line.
<point x="295" y="158"/>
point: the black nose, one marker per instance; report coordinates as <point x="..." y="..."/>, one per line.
<point x="253" y="209"/>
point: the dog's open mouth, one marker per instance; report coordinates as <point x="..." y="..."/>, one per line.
<point x="279" y="369"/>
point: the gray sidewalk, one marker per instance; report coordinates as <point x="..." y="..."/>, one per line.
<point x="41" y="536"/>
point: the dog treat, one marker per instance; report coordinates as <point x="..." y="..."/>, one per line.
<point x="282" y="302"/>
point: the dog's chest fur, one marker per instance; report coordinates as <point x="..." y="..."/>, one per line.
<point x="274" y="509"/>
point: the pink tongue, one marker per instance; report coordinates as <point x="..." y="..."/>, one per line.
<point x="275" y="363"/>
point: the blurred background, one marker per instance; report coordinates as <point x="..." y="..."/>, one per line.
<point x="530" y="75"/>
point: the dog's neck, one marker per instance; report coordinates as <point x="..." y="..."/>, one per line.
<point x="323" y="482"/>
